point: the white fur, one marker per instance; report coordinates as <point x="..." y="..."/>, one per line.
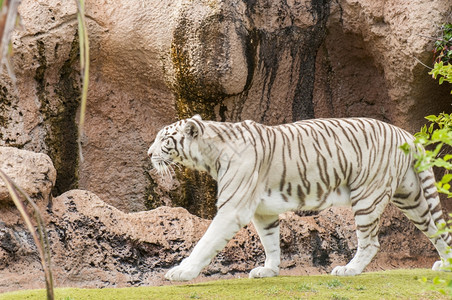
<point x="264" y="171"/>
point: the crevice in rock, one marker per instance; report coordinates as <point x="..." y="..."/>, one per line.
<point x="59" y="116"/>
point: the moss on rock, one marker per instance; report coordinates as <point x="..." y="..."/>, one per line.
<point x="5" y="106"/>
<point x="198" y="191"/>
<point x="194" y="95"/>
<point x="59" y="116"/>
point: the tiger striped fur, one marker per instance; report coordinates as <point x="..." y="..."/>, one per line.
<point x="263" y="171"/>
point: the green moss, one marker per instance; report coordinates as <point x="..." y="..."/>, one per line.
<point x="197" y="191"/>
<point x="193" y="94"/>
<point x="59" y="116"/>
<point x="5" y="106"/>
<point x="152" y="199"/>
<point x="396" y="284"/>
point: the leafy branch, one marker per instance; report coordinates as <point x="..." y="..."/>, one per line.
<point x="442" y="72"/>
<point x="442" y="53"/>
<point x="434" y="136"/>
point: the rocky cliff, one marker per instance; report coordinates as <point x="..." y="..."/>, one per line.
<point x="151" y="64"/>
<point x="154" y="63"/>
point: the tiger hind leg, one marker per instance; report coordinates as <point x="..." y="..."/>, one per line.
<point x="268" y="229"/>
<point x="418" y="199"/>
<point x="367" y="213"/>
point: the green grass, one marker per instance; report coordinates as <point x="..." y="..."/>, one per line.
<point x="396" y="284"/>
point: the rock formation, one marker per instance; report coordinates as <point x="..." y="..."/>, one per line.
<point x="373" y="61"/>
<point x="94" y="244"/>
<point x="34" y="172"/>
<point x="270" y="61"/>
<point x="152" y="64"/>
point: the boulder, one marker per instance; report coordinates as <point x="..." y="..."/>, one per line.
<point x="96" y="245"/>
<point x="32" y="172"/>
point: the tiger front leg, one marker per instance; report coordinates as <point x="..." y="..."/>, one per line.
<point x="223" y="227"/>
<point x="268" y="229"/>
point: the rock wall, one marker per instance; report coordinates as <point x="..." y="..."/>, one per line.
<point x="270" y="61"/>
<point x="372" y="61"/>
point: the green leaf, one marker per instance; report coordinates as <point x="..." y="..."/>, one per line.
<point x="442" y="164"/>
<point x="446" y="178"/>
<point x="406" y="148"/>
<point x="437" y="148"/>
<point x="431" y="118"/>
<point x="437" y="280"/>
<point x="449" y="284"/>
<point x="430" y="128"/>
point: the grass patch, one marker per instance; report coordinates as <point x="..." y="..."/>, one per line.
<point x="395" y="284"/>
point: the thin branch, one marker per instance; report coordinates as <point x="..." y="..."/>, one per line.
<point x="419" y="61"/>
<point x="427" y="37"/>
<point x="84" y="70"/>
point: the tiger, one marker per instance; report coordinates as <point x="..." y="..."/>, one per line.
<point x="263" y="171"/>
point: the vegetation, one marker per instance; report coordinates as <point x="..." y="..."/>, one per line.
<point x="443" y="45"/>
<point x="8" y="18"/>
<point x="434" y="137"/>
<point x="442" y="69"/>
<point x="398" y="284"/>
<point x="84" y="68"/>
<point x="438" y="135"/>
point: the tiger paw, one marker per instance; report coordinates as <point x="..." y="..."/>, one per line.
<point x="261" y="272"/>
<point x="180" y="273"/>
<point x="345" y="271"/>
<point x="441" y="265"/>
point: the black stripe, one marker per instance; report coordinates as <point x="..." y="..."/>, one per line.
<point x="402" y="196"/>
<point x="289" y="189"/>
<point x="285" y="198"/>
<point x="272" y="225"/>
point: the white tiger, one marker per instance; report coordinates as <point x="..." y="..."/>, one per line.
<point x="263" y="171"/>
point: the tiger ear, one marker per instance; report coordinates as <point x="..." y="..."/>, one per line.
<point x="197" y="117"/>
<point x="191" y="129"/>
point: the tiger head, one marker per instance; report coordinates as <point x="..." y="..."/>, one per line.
<point x="177" y="144"/>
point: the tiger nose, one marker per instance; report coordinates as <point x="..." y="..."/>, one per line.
<point x="150" y="153"/>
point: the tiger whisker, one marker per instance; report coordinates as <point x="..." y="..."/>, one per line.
<point x="172" y="163"/>
<point x="165" y="167"/>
